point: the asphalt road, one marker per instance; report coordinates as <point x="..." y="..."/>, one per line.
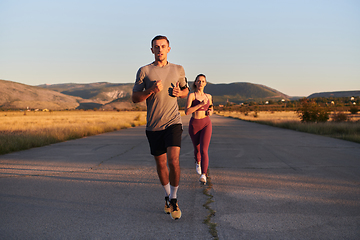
<point x="266" y="183"/>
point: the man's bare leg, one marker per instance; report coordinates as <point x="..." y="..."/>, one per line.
<point x="172" y="157"/>
<point x="173" y="154"/>
<point x="162" y="169"/>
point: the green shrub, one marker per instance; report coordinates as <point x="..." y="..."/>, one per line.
<point x="339" y="117"/>
<point x="354" y="110"/>
<point x="310" y="111"/>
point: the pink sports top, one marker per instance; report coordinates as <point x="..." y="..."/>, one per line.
<point x="203" y="108"/>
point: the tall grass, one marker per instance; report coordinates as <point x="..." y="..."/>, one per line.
<point x="24" y="130"/>
<point x="349" y="130"/>
<point x="345" y="130"/>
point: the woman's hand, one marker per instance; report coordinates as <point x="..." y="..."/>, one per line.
<point x="204" y="102"/>
<point x="210" y="111"/>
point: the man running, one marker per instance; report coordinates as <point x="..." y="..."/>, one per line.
<point x="160" y="83"/>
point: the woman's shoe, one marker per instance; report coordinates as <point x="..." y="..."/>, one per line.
<point x="198" y="168"/>
<point x="202" y="179"/>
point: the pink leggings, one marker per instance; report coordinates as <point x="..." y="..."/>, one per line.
<point x="200" y="132"/>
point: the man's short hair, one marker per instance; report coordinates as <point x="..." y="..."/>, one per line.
<point x="158" y="37"/>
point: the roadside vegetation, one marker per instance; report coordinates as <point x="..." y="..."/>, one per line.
<point x="28" y="129"/>
<point x="309" y="116"/>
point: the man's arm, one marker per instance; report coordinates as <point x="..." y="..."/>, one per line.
<point x="143" y="95"/>
<point x="184" y="93"/>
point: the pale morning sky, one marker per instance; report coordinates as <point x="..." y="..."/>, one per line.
<point x="298" y="47"/>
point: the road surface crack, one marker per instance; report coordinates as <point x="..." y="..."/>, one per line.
<point x="207" y="220"/>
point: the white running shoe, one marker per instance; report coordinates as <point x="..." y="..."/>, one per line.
<point x="198" y="168"/>
<point x="202" y="178"/>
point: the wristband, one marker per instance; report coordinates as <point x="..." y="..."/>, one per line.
<point x="186" y="85"/>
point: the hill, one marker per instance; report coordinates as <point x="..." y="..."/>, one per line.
<point x="242" y="91"/>
<point x="20" y="96"/>
<point x="335" y="94"/>
<point x="103" y="95"/>
<point x="100" y="95"/>
<point x="101" y="92"/>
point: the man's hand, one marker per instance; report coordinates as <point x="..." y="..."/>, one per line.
<point x="176" y="92"/>
<point x="157" y="87"/>
<point x="143" y="95"/>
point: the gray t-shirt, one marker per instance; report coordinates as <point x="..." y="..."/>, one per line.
<point x="162" y="107"/>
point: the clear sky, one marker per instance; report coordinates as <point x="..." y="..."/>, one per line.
<point x="298" y="47"/>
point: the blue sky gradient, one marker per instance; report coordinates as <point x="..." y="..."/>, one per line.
<point x="296" y="47"/>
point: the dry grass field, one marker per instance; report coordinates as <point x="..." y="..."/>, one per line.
<point x="276" y="117"/>
<point x="264" y="116"/>
<point x="349" y="130"/>
<point x="24" y="130"/>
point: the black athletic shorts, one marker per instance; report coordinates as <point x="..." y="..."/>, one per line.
<point x="159" y="141"/>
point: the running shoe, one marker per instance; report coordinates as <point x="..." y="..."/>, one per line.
<point x="198" y="168"/>
<point x="202" y="178"/>
<point x="167" y="205"/>
<point x="175" y="212"/>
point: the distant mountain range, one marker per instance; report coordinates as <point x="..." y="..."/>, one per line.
<point x="336" y="94"/>
<point x="100" y="91"/>
<point x="100" y="95"/>
<point x="242" y="91"/>
<point x="20" y="96"/>
<point x="109" y="96"/>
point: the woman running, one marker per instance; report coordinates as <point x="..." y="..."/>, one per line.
<point x="200" y="105"/>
